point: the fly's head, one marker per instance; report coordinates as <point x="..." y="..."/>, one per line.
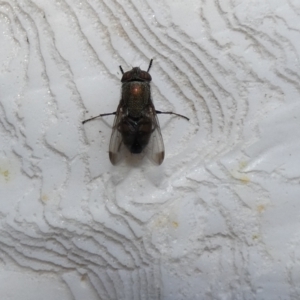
<point x="136" y="74"/>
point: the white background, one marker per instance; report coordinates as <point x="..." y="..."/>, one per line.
<point x="219" y="219"/>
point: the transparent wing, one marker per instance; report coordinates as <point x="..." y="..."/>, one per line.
<point x="155" y="149"/>
<point x="116" y="143"/>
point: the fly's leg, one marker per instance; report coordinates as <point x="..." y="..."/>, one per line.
<point x="102" y="115"/>
<point x="171" y="113"/>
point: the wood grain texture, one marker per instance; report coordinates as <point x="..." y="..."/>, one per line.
<point x="219" y="219"/>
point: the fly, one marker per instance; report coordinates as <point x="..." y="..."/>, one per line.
<point x="136" y="125"/>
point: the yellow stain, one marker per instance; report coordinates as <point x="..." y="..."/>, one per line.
<point x="9" y="169"/>
<point x="238" y="174"/>
<point x="5" y="174"/>
<point x="242" y="164"/>
<point x="244" y="179"/>
<point x="261" y="208"/>
<point x="45" y="198"/>
<point x="255" y="237"/>
<point x="175" y="224"/>
<point x="164" y="222"/>
<point x="158" y="222"/>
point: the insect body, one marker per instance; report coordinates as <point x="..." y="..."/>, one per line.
<point x="136" y="125"/>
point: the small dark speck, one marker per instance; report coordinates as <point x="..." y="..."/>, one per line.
<point x="84" y="277"/>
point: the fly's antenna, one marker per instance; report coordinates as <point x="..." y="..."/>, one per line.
<point x="121" y="69"/>
<point x="150" y="65"/>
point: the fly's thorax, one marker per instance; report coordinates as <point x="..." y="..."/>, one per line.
<point x="136" y="96"/>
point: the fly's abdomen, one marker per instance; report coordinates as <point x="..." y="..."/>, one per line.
<point x="135" y="133"/>
<point x="136" y="96"/>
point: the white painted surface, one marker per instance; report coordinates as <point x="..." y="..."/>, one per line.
<point x="219" y="219"/>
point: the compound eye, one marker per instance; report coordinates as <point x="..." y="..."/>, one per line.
<point x="145" y="76"/>
<point x="126" y="76"/>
